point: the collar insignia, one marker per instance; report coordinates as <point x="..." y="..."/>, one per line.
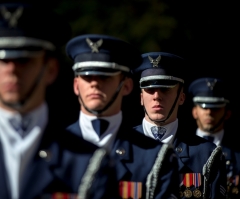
<point x="156" y="61"/>
<point x="211" y="85"/>
<point x="13" y="17"/>
<point x="94" y="46"/>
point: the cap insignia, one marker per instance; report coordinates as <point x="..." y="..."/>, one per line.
<point x="156" y="61"/>
<point x="12" y="18"/>
<point x="211" y="84"/>
<point x="94" y="46"/>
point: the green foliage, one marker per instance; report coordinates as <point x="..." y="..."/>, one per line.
<point x="143" y="23"/>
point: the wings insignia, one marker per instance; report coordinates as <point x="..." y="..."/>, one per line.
<point x="94" y="46"/>
<point x="12" y="18"/>
<point x="211" y="84"/>
<point x="158" y="58"/>
<point x="99" y="43"/>
<point x="156" y="61"/>
<point x="150" y="58"/>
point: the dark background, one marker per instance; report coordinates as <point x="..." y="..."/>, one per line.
<point x="205" y="33"/>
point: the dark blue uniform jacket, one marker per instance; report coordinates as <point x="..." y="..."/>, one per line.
<point x="135" y="155"/>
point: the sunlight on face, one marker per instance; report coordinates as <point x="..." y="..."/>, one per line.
<point x="159" y="101"/>
<point x="97" y="91"/>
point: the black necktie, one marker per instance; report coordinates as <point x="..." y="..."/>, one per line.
<point x="158" y="132"/>
<point x="209" y="138"/>
<point x="100" y="126"/>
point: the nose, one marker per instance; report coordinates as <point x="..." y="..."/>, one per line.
<point x="208" y="110"/>
<point x="95" y="80"/>
<point x="8" y="65"/>
<point x="156" y="94"/>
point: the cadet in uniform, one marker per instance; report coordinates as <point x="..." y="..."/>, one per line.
<point x="102" y="64"/>
<point x="201" y="167"/>
<point x="211" y="111"/>
<point x="37" y="157"/>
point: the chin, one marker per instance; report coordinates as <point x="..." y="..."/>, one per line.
<point x="157" y="117"/>
<point x="95" y="107"/>
<point x="11" y="100"/>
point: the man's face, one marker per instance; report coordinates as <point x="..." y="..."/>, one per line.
<point x="208" y="118"/>
<point x="97" y="91"/>
<point x="159" y="101"/>
<point x="17" y="77"/>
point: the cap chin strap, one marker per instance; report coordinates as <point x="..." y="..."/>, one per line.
<point x="19" y="105"/>
<point x="170" y="112"/>
<point x="98" y="112"/>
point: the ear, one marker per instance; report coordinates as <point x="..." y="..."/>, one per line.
<point x="141" y="96"/>
<point x="182" y="98"/>
<point x="75" y="86"/>
<point x="194" y="112"/>
<point x="52" y="70"/>
<point x="127" y="86"/>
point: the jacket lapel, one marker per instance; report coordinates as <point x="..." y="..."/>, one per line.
<point x="122" y="151"/>
<point x="39" y="174"/>
<point x="4" y="193"/>
<point x="75" y="129"/>
<point x="182" y="152"/>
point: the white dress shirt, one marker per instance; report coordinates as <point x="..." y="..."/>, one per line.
<point x="107" y="139"/>
<point x="171" y="130"/>
<point x="217" y="136"/>
<point x="18" y="148"/>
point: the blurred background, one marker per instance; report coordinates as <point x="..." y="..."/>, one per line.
<point x="205" y="33"/>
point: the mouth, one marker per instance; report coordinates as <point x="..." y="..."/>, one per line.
<point x="11" y="87"/>
<point x="209" y="121"/>
<point x="157" y="107"/>
<point x="95" y="96"/>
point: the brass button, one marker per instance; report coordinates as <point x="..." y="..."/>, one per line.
<point x="179" y="149"/>
<point x="120" y="152"/>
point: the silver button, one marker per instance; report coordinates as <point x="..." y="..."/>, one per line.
<point x="179" y="149"/>
<point x="228" y="162"/>
<point x="120" y="152"/>
<point x="45" y="155"/>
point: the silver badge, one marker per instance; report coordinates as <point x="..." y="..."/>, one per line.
<point x="211" y="84"/>
<point x="12" y="18"/>
<point x="156" y="61"/>
<point x="94" y="46"/>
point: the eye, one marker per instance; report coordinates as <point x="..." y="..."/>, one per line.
<point x="95" y="77"/>
<point x="150" y="90"/>
<point x="103" y="77"/>
<point x="164" y="90"/>
<point x="22" y="60"/>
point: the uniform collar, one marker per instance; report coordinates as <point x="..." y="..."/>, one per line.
<point x="169" y="135"/>
<point x="217" y="136"/>
<point x="89" y="134"/>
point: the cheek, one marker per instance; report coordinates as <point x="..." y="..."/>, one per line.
<point x="141" y="99"/>
<point x="146" y="99"/>
<point x="77" y="87"/>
